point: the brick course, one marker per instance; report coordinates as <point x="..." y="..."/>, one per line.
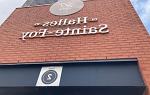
<point x="127" y="37"/>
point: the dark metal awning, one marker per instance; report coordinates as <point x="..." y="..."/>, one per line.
<point x="81" y="78"/>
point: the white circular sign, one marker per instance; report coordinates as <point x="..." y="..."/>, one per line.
<point x="66" y="7"/>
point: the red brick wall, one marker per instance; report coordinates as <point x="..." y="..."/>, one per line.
<point x="127" y="37"/>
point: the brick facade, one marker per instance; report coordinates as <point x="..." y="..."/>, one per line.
<point x="127" y="37"/>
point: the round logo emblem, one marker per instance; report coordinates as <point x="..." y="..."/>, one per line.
<point x="66" y="7"/>
<point x="49" y="77"/>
